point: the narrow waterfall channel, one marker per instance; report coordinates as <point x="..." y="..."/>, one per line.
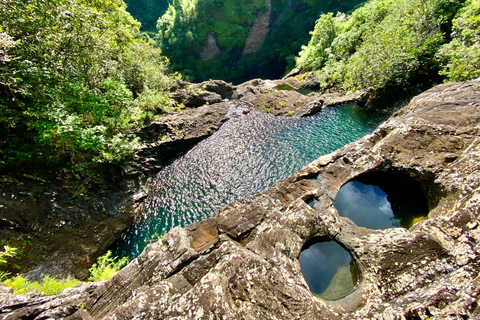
<point x="250" y="153"/>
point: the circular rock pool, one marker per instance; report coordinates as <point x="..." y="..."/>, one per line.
<point x="328" y="269"/>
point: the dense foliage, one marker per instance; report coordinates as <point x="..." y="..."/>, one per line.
<point x="186" y="26"/>
<point x="147" y="11"/>
<point x="50" y="286"/>
<point x="460" y="58"/>
<point x="73" y="80"/>
<point x="104" y="269"/>
<point x="396" y="44"/>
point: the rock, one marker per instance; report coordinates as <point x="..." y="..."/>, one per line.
<point x="210" y="49"/>
<point x="5" y="290"/>
<point x="195" y="95"/>
<point x="64" y="232"/>
<point x="266" y="96"/>
<point x="37" y="306"/>
<point x="242" y="263"/>
<point x="258" y="32"/>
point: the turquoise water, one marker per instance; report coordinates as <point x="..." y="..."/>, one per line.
<point x="328" y="269"/>
<point x="249" y="154"/>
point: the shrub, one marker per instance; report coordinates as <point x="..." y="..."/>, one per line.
<point x="460" y="59"/>
<point x="388" y="44"/>
<point x="50" y="286"/>
<point x="70" y="72"/>
<point x="106" y="267"/>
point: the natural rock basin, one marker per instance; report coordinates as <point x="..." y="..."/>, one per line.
<point x="249" y="153"/>
<point x="370" y="207"/>
<point x="328" y="269"/>
<point x="290" y="88"/>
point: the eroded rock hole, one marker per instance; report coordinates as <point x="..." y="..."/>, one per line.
<point x="328" y="268"/>
<point x="382" y="201"/>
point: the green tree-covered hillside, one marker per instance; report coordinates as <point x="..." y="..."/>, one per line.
<point x="207" y="38"/>
<point x="395" y="45"/>
<point x="74" y="79"/>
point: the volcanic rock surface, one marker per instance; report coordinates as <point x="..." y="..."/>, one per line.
<point x="242" y="263"/>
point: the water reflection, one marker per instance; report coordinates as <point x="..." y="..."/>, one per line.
<point x="328" y="270"/>
<point x="366" y="205"/>
<point x="370" y="207"/>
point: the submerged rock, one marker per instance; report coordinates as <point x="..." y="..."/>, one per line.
<point x="242" y="263"/>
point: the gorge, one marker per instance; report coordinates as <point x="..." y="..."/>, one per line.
<point x="264" y="199"/>
<point x="242" y="262"/>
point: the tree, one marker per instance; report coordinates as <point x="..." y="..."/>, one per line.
<point x="382" y="45"/>
<point x="70" y="73"/>
<point x="460" y="58"/>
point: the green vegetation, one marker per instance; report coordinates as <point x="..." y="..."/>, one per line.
<point x="50" y="286"/>
<point x="74" y="80"/>
<point x="106" y="267"/>
<point x="187" y="24"/>
<point x="8" y="252"/>
<point x="147" y="11"/>
<point x="18" y="249"/>
<point x="391" y="46"/>
<point x="460" y="58"/>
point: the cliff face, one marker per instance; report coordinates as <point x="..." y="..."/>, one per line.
<point x="258" y="32"/>
<point x="242" y="263"/>
<point x="237" y="41"/>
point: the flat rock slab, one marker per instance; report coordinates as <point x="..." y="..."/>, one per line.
<point x="242" y="263"/>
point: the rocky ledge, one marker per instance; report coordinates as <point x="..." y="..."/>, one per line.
<point x="62" y="230"/>
<point x="242" y="263"/>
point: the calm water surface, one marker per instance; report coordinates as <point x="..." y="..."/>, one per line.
<point x="328" y="269"/>
<point x="249" y="154"/>
<point x="370" y="207"/>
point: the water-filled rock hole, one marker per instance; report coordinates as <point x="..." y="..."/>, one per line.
<point x="288" y="87"/>
<point x="382" y="201"/>
<point x="328" y="268"/>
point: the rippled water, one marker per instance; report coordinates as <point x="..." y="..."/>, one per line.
<point x="249" y="154"/>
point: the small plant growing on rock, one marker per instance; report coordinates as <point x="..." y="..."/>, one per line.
<point x="106" y="267"/>
<point x="283" y="104"/>
<point x="50" y="286"/>
<point x="8" y="252"/>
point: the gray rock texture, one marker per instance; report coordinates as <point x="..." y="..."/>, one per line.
<point x="63" y="221"/>
<point x="242" y="263"/>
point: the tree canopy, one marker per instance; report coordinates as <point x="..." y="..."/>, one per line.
<point x="186" y="27"/>
<point x="74" y="78"/>
<point x="395" y="44"/>
<point x="147" y="12"/>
